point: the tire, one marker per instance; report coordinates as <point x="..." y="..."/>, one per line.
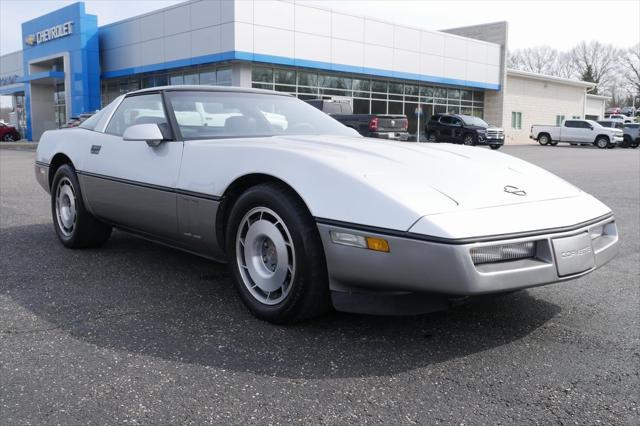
<point x="544" y="139"/>
<point x="634" y="144"/>
<point x="276" y="256"/>
<point x="431" y="137"/>
<point x="601" y="142"/>
<point x="9" y="138"/>
<point x="573" y="144"/>
<point x="495" y="146"/>
<point x="469" y="139"/>
<point x="553" y="143"/>
<point x="74" y="225"/>
<point x="626" y="142"/>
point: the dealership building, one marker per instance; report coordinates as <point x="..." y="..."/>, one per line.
<point x="70" y="65"/>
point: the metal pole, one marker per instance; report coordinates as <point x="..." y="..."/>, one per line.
<point x="419" y="110"/>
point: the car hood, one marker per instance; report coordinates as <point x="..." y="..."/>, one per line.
<point x="470" y="177"/>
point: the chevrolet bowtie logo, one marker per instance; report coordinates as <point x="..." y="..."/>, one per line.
<point x="30" y="40"/>
<point x="515" y="190"/>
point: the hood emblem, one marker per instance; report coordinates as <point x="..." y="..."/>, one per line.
<point x="515" y="190"/>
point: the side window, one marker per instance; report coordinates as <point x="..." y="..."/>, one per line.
<point x="456" y="121"/>
<point x="445" y="120"/>
<point x="569" y="123"/>
<point x="583" y="124"/>
<point x="138" y="109"/>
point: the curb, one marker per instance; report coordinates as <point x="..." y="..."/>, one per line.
<point x="19" y="146"/>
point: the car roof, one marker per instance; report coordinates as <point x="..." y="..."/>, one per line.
<point x="203" y="88"/>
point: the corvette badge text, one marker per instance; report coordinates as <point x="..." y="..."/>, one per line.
<point x="579" y="252"/>
<point x="49" y="34"/>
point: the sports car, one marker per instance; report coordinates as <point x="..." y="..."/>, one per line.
<point x="308" y="214"/>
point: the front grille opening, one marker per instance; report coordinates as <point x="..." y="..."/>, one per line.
<point x="503" y="252"/>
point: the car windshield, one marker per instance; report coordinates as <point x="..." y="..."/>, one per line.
<point x="474" y="121"/>
<point x="211" y="114"/>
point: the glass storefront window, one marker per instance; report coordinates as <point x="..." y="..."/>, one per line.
<point x="191" y="79"/>
<point x="208" y="78"/>
<point x="262" y="74"/>
<point x="378" y="107"/>
<point x="361" y="106"/>
<point x="223" y="77"/>
<point x="176" y="79"/>
<point x="371" y="96"/>
<point x="307" y="79"/>
<point x="285" y="77"/>
<point x="439" y="93"/>
<point x="396" y="108"/>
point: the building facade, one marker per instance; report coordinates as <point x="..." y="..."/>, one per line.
<point x="69" y="65"/>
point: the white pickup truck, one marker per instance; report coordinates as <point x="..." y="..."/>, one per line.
<point x="584" y="132"/>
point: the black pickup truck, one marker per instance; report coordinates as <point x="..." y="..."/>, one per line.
<point x="384" y="126"/>
<point x="465" y="129"/>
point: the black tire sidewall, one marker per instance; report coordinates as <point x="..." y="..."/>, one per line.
<point x="309" y="254"/>
<point x="68" y="172"/>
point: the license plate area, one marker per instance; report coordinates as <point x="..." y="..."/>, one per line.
<point x="573" y="254"/>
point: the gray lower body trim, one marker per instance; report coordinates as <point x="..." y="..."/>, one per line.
<point x="425" y="267"/>
<point x="42" y="175"/>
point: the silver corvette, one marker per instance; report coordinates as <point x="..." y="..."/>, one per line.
<point x="308" y="214"/>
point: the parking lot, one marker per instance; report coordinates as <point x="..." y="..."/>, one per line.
<point x="138" y="333"/>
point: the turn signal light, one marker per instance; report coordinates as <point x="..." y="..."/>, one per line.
<point x="352" y="240"/>
<point x="377" y="244"/>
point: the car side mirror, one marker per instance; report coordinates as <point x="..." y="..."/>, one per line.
<point x="148" y="132"/>
<point x="591" y="127"/>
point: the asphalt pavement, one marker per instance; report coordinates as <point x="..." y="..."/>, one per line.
<point x="137" y="333"/>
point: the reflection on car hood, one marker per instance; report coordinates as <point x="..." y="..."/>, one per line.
<point x="472" y="177"/>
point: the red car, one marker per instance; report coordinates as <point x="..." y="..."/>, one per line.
<point x="8" y="133"/>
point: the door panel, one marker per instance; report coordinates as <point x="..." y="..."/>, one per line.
<point x="132" y="184"/>
<point x="129" y="182"/>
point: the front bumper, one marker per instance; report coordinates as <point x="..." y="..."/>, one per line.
<point x="421" y="266"/>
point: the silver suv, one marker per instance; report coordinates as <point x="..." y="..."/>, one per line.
<point x="631" y="136"/>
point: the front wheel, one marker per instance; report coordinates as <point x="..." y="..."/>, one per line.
<point x="495" y="146"/>
<point x="276" y="256"/>
<point x="602" y="142"/>
<point x="431" y="137"/>
<point x="74" y="225"/>
<point x="469" y="139"/>
<point x="626" y="142"/>
<point x="9" y="138"/>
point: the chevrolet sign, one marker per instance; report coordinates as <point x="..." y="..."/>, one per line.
<point x="49" y="34"/>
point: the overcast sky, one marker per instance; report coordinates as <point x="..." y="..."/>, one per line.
<point x="557" y="23"/>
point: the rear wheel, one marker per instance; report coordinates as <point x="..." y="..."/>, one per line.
<point x="9" y="138"/>
<point x="544" y="139"/>
<point x="275" y="256"/>
<point x="431" y="137"/>
<point x="602" y="142"/>
<point x="626" y="142"/>
<point x="74" y="225"/>
<point x="635" y="144"/>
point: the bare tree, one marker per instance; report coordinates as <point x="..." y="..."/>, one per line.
<point x="540" y="60"/>
<point x="596" y="62"/>
<point x="631" y="68"/>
